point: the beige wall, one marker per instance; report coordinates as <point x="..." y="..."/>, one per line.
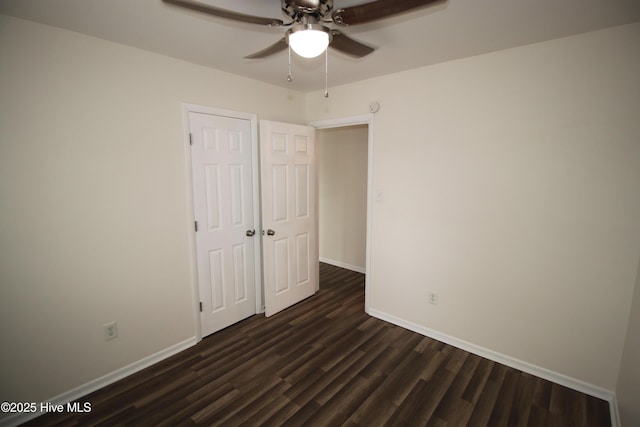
<point x="94" y="220"/>
<point x="629" y="379"/>
<point x="343" y="195"/>
<point x="510" y="186"/>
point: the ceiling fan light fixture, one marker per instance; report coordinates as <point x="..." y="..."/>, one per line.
<point x="309" y="40"/>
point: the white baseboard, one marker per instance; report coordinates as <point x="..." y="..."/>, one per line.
<point x="98" y="383"/>
<point x="547" y="374"/>
<point x="343" y="265"/>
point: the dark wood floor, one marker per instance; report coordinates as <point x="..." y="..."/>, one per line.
<point x="324" y="362"/>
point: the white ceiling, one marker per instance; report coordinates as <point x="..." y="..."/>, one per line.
<point x="446" y="31"/>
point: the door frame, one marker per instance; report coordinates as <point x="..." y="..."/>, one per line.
<point x="366" y="119"/>
<point x="255" y="164"/>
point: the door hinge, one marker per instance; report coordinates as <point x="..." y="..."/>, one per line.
<point x="200" y="306"/>
<point x="190" y="139"/>
<point x="196" y="225"/>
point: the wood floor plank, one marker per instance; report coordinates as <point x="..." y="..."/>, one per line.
<point x="597" y="413"/>
<point x="484" y="406"/>
<point x="402" y="379"/>
<point x="477" y="381"/>
<point x="354" y="370"/>
<point x="376" y="409"/>
<point x="301" y="417"/>
<point x="521" y="408"/>
<point x="194" y="403"/>
<point x="259" y="412"/>
<point x="418" y="407"/>
<point x="253" y="399"/>
<point x="339" y="408"/>
<point x="325" y="362"/>
<point x="452" y="406"/>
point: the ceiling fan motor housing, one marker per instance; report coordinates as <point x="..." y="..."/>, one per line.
<point x="298" y="9"/>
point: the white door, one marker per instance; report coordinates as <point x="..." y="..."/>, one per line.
<point x="221" y="155"/>
<point x="290" y="242"/>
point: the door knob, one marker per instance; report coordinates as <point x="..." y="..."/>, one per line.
<point x="251" y="233"/>
<point x="270" y="232"/>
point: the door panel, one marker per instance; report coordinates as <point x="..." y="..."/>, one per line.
<point x="221" y="156"/>
<point x="302" y="191"/>
<point x="281" y="265"/>
<point x="212" y="191"/>
<point x="279" y="193"/>
<point x="216" y="267"/>
<point x="288" y="166"/>
<point x="303" y="273"/>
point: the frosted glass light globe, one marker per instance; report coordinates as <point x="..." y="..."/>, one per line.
<point x="308" y="42"/>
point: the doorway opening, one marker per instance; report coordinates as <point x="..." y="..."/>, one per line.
<point x="345" y="148"/>
<point x="342" y="168"/>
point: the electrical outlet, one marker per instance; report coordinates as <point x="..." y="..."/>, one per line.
<point x="110" y="331"/>
<point x="433" y="298"/>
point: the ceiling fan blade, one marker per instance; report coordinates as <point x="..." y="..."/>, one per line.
<point x="349" y="46"/>
<point x="224" y="13"/>
<point x="274" y="48"/>
<point x="375" y="10"/>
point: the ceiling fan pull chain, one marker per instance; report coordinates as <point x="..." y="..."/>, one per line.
<point x="326" y="73"/>
<point x="289" y="79"/>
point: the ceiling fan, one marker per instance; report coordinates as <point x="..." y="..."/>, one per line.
<point x="308" y="36"/>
